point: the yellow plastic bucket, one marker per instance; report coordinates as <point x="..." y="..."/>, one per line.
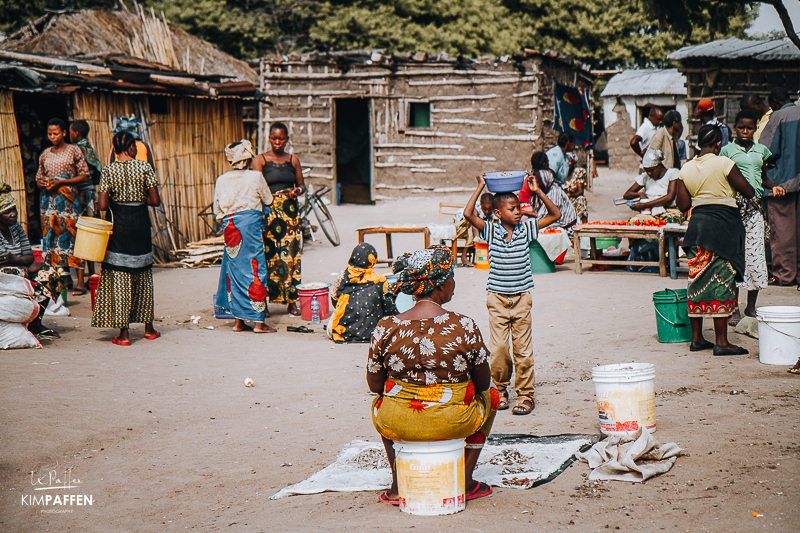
<point x="91" y="238"/>
<point x="481" y="255"/>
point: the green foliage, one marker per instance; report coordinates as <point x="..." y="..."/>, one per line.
<point x="16" y="13"/>
<point x="604" y="34"/>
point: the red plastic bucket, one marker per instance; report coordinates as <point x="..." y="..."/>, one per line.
<point x="94" y="282"/>
<point x="307" y="291"/>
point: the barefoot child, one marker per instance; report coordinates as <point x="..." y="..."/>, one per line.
<point x="508" y="296"/>
<point x="464" y="229"/>
<point x="750" y="158"/>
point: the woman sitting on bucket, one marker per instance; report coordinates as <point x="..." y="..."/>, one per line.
<point x="430" y="369"/>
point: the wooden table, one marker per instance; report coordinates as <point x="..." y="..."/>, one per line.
<point x="388" y="231"/>
<point x="594" y="231"/>
<point x="674" y="234"/>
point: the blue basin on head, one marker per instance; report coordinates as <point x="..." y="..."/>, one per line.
<point x="505" y="181"/>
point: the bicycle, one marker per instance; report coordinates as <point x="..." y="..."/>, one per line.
<point x="313" y="201"/>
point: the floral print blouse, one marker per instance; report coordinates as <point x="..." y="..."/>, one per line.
<point x="431" y="351"/>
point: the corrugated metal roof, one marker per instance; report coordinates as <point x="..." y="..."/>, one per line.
<point x="646" y="82"/>
<point x="764" y="50"/>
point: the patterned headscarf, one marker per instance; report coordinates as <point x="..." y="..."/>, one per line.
<point x="422" y="271"/>
<point x="652" y="158"/>
<point x="239" y="154"/>
<point x="364" y="256"/>
<point x="6" y="200"/>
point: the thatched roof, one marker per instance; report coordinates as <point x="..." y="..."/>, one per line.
<point x="95" y="34"/>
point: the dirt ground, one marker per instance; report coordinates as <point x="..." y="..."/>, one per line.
<point x="165" y="436"/>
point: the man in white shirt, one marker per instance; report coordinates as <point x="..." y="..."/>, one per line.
<point x="644" y="134"/>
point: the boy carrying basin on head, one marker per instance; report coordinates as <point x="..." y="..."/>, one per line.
<point x="508" y="288"/>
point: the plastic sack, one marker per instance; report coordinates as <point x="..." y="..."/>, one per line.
<point x="11" y="285"/>
<point x="19" y="310"/>
<point x="13" y="335"/>
<point x="56" y="308"/>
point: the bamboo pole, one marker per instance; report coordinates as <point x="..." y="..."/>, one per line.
<point x="10" y="157"/>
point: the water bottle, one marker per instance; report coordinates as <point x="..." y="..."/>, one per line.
<point x="314" y="310"/>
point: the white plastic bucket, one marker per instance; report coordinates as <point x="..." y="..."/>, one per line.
<point x="430" y="477"/>
<point x="626" y="398"/>
<point x="778" y="334"/>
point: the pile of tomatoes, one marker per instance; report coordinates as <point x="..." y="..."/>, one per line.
<point x="637" y="222"/>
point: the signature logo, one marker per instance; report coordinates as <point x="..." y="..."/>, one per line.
<point x="51" y="484"/>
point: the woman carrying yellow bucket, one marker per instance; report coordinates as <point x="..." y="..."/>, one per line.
<point x="125" y="293"/>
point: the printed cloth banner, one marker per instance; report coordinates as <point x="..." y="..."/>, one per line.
<point x="573" y="113"/>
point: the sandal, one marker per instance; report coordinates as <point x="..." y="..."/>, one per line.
<point x="47" y="334"/>
<point x="293" y="309"/>
<point x="503" y="405"/>
<point x="299" y="329"/>
<point x="118" y="342"/>
<point x="795" y="369"/>
<point x="384" y="498"/>
<point x="521" y="408"/>
<point x="480" y="490"/>
<point x="79" y="292"/>
<point x="152" y="337"/>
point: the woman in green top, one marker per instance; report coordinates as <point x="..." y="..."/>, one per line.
<point x="750" y="157"/>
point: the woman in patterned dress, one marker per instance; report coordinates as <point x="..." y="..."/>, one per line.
<point x="430" y="369"/>
<point x="574" y="188"/>
<point x="61" y="168"/>
<point x="282" y="234"/>
<point x="125" y="293"/>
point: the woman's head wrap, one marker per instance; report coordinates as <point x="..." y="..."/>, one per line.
<point x="652" y="158"/>
<point x="422" y="271"/>
<point x="364" y="256"/>
<point x="6" y="200"/>
<point x="239" y="154"/>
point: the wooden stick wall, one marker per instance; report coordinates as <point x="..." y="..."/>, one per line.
<point x="188" y="148"/>
<point x="10" y="158"/>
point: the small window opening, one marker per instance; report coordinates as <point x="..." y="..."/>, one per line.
<point x="419" y="115"/>
<point x="159" y="105"/>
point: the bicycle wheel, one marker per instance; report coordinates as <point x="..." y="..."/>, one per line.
<point x="325" y="220"/>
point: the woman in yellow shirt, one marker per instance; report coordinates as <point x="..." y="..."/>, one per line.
<point x="715" y="238"/>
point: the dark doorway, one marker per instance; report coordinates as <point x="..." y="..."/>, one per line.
<point x="33" y="111"/>
<point x="353" y="151"/>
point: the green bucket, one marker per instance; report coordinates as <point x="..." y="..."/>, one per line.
<point x="540" y="263"/>
<point x="672" y="315"/>
<point x="601" y="243"/>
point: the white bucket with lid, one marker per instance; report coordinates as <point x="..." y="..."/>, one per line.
<point x="778" y="334"/>
<point x="430" y="477"/>
<point x="626" y="398"/>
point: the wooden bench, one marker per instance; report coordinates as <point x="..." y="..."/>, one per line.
<point x="388" y="231"/>
<point x="623" y="232"/>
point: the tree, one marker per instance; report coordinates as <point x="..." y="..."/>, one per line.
<point x="682" y="15"/>
<point x="15" y="13"/>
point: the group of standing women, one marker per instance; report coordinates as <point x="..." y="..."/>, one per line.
<point x="258" y="211"/>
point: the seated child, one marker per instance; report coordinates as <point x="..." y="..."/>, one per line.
<point x="508" y="297"/>
<point x="465" y="231"/>
<point x="361" y="298"/>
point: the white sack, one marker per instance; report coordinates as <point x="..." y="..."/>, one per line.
<point x="14" y="335"/>
<point x="17" y="286"/>
<point x="20" y="310"/>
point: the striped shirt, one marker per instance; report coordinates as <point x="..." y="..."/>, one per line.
<point x="19" y="246"/>
<point x="509" y="261"/>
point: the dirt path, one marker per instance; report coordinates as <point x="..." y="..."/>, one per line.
<point x="165" y="436"/>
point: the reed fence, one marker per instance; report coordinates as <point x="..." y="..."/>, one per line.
<point x="10" y="157"/>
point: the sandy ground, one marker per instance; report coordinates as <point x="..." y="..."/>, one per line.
<point x="165" y="437"/>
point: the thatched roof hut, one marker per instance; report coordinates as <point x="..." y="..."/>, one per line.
<point x="95" y="33"/>
<point x="96" y="65"/>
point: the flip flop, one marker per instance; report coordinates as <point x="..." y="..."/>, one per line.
<point x="384" y="498"/>
<point x="118" y="342"/>
<point x="480" y="490"/>
<point x="719" y="350"/>
<point x="521" y="409"/>
<point x="152" y="337"/>
<point x="299" y="329"/>
<point x="79" y="292"/>
<point x="47" y="334"/>
<point x="795" y="369"/>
